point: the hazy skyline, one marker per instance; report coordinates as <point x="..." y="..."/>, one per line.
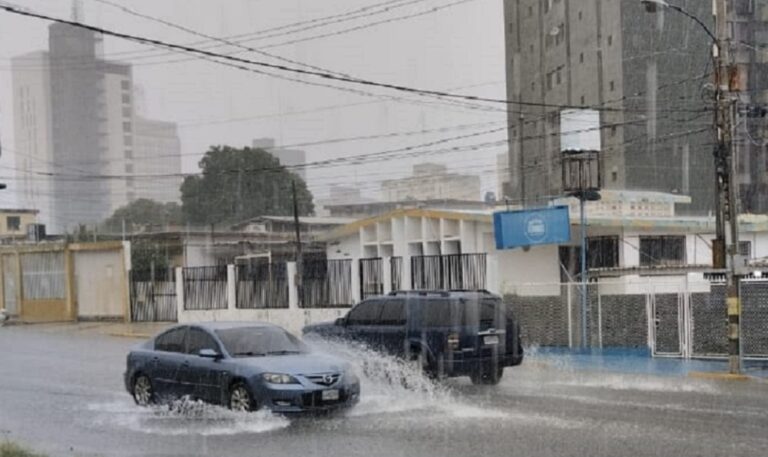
<point x="459" y="46"/>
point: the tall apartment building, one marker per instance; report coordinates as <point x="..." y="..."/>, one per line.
<point x="157" y="153"/>
<point x="294" y="159"/>
<point x="431" y="181"/>
<point x="749" y="27"/>
<point x="645" y="73"/>
<point x="77" y="138"/>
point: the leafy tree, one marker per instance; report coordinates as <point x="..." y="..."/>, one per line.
<point x="144" y="212"/>
<point x="238" y="184"/>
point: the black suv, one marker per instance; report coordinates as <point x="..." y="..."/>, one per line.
<point x="452" y="333"/>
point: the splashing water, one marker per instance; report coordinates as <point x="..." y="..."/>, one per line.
<point x="391" y="385"/>
<point x="182" y="417"/>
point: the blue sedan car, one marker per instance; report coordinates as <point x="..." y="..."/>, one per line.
<point x="244" y="366"/>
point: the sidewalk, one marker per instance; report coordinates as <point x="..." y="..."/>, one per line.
<point x="640" y="361"/>
<point x="138" y="330"/>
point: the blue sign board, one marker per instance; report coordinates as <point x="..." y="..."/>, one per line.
<point x="514" y="229"/>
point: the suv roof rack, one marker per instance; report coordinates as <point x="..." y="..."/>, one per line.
<point x="437" y="292"/>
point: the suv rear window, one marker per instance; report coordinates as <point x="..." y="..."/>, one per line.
<point x="452" y="312"/>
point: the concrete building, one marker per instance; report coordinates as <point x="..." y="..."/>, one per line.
<point x="14" y="222"/>
<point x="156" y="151"/>
<point x="290" y="158"/>
<point x="644" y="72"/>
<point x="74" y="116"/>
<point x="431" y="181"/>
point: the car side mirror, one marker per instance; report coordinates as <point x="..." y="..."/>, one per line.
<point x="341" y="321"/>
<point x="209" y="354"/>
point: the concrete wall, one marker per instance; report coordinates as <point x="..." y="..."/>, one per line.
<point x="101" y="284"/>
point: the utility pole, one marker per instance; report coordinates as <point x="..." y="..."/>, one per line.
<point x="725" y="249"/>
<point x="299" y="260"/>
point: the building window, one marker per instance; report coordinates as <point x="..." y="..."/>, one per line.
<point x="612" y="86"/>
<point x="531" y="47"/>
<point x="613" y="130"/>
<point x="127" y="126"/>
<point x="125" y="85"/>
<point x="530" y="11"/>
<point x="549" y="81"/>
<point x="129" y="168"/>
<point x="580" y="15"/>
<point x="533" y="86"/>
<point x="128" y="140"/>
<point x="126" y="99"/>
<point x="610" y="40"/>
<point x="603" y="252"/>
<point x="662" y="250"/>
<point x="14" y="223"/>
<point x="127" y="112"/>
<point x="581" y="58"/>
<point x="614" y="177"/>
<point x="128" y="154"/>
<point x="745" y="248"/>
<point x="582" y="100"/>
<point x="559" y="75"/>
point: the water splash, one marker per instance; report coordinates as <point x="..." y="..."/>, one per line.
<point x="182" y="417"/>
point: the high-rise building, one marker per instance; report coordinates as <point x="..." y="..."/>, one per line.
<point x="293" y="159"/>
<point x="156" y="154"/>
<point x="647" y="74"/>
<point x="78" y="140"/>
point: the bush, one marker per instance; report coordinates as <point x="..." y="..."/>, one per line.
<point x="9" y="449"/>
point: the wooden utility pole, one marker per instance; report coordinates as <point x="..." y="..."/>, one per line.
<point x="299" y="265"/>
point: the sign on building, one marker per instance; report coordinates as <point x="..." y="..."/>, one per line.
<point x="514" y="229"/>
<point x="579" y="130"/>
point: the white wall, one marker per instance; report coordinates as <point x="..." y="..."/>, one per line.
<point x="101" y="284"/>
<point x="540" y="264"/>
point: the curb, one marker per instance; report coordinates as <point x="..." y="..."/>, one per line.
<point x="720" y="376"/>
<point x="130" y="335"/>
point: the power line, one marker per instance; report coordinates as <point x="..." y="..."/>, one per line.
<point x="284" y="68"/>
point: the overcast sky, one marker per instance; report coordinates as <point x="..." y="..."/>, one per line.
<point x="461" y="46"/>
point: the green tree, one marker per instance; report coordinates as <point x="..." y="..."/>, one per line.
<point x="238" y="184"/>
<point x="142" y="213"/>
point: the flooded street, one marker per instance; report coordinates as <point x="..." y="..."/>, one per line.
<point x="60" y="402"/>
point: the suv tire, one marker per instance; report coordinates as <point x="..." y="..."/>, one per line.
<point x="487" y="376"/>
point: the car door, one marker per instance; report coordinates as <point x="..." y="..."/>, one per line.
<point x="200" y="375"/>
<point x="391" y="326"/>
<point x="362" y="323"/>
<point x="167" y="361"/>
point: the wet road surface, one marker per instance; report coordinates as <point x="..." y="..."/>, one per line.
<point x="61" y="392"/>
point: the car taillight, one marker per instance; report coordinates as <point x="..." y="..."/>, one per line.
<point x="453" y="341"/>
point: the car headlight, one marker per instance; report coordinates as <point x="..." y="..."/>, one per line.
<point x="279" y="378"/>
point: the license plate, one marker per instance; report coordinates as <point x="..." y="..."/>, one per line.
<point x="493" y="339"/>
<point x="330" y="395"/>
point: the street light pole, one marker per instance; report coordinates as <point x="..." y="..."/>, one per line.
<point x="725" y="248"/>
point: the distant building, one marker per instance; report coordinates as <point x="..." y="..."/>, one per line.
<point x="340" y="195"/>
<point x="156" y="151"/>
<point x="431" y="181"/>
<point x="374" y="208"/>
<point x="74" y="116"/>
<point x="14" y="222"/>
<point x="293" y="159"/>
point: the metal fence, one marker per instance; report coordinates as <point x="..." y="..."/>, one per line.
<point x="452" y="272"/>
<point x="675" y="320"/>
<point x="205" y="287"/>
<point x="43" y="276"/>
<point x="326" y="283"/>
<point x="396" y="272"/>
<point x="153" y="295"/>
<point x="262" y="285"/>
<point x="371" y="277"/>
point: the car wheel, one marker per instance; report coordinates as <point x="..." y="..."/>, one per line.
<point x="240" y="399"/>
<point x="487" y="376"/>
<point x="143" y="394"/>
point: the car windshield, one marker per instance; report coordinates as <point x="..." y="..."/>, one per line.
<point x="260" y="341"/>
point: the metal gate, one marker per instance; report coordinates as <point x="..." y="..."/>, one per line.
<point x="10" y="270"/>
<point x="371" y="277"/>
<point x="153" y="296"/>
<point x="667" y="329"/>
<point x="451" y="272"/>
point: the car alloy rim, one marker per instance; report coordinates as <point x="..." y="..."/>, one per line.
<point x="239" y="400"/>
<point x="142" y="391"/>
